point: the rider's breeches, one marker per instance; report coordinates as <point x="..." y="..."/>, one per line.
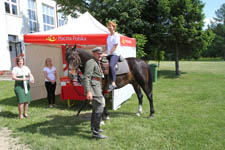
<point x="113" y="60"/>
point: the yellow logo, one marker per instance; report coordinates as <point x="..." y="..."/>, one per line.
<point x="123" y="40"/>
<point x="51" y="38"/>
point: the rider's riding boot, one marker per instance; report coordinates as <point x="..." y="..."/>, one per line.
<point x="111" y="87"/>
<point x="96" y="124"/>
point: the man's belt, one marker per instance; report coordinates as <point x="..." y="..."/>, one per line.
<point x="97" y="79"/>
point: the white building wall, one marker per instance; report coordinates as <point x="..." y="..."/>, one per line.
<point x="18" y="26"/>
<point x="4" y="52"/>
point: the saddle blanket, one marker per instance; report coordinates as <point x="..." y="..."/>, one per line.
<point x="122" y="67"/>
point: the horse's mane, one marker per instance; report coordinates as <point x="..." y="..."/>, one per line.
<point x="78" y="57"/>
<point x="84" y="54"/>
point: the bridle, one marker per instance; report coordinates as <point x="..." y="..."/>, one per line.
<point x="75" y="61"/>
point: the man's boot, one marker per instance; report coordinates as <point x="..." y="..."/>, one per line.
<point x="92" y="123"/>
<point x="96" y="125"/>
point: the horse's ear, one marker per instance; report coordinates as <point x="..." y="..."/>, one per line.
<point x="67" y="52"/>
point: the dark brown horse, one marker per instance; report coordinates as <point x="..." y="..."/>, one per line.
<point x="139" y="75"/>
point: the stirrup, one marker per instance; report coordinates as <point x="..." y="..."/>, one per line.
<point x="111" y="87"/>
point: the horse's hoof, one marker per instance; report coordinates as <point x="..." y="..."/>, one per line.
<point x="102" y="123"/>
<point x="138" y="114"/>
<point x="107" y="118"/>
<point x="151" y="117"/>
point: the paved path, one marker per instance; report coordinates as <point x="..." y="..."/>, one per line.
<point x="9" y="143"/>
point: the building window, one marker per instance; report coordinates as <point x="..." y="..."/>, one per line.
<point x="11" y="7"/>
<point x="32" y="15"/>
<point x="48" y="17"/>
<point x="61" y="19"/>
<point x="12" y="38"/>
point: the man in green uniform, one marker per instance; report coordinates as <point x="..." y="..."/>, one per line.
<point x="92" y="84"/>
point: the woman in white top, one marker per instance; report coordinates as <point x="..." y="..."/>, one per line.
<point x="50" y="81"/>
<point x="22" y="75"/>
<point x="113" y="45"/>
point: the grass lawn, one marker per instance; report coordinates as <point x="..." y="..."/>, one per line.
<point x="189" y="115"/>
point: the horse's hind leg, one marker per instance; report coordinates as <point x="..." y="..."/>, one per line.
<point x="148" y="93"/>
<point x="105" y="114"/>
<point x="140" y="98"/>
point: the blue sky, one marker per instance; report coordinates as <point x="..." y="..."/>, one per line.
<point x="210" y="7"/>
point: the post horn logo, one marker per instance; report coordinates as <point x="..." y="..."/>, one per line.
<point x="51" y="38"/>
<point x="123" y="41"/>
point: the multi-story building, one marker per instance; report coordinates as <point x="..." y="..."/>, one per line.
<point x="19" y="17"/>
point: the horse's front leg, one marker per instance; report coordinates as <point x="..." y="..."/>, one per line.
<point x="140" y="98"/>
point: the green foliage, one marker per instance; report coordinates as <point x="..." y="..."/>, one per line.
<point x="172" y="25"/>
<point x="159" y="55"/>
<point x="155" y="16"/>
<point x="216" y="49"/>
<point x="127" y="13"/>
<point x="72" y="7"/>
<point x="185" y="34"/>
<point x="208" y="59"/>
<point x="220" y="14"/>
<point x="141" y="40"/>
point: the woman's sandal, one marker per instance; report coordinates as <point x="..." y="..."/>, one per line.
<point x="25" y="115"/>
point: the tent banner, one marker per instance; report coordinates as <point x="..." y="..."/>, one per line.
<point x="86" y="39"/>
<point x="126" y="41"/>
<point x="83" y="39"/>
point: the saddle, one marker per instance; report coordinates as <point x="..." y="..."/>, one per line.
<point x="121" y="66"/>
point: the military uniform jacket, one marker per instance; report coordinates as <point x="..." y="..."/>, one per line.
<point x="92" y="70"/>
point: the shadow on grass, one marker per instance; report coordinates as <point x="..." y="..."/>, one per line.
<point x="43" y="103"/>
<point x="9" y="101"/>
<point x="168" y="74"/>
<point x="57" y="125"/>
<point x="123" y="114"/>
<point x="8" y="114"/>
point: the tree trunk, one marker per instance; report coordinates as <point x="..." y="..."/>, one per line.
<point x="224" y="53"/>
<point x="177" y="61"/>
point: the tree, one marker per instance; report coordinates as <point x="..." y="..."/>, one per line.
<point x="127" y="13"/>
<point x="156" y="22"/>
<point x="140" y="44"/>
<point x="216" y="49"/>
<point x="172" y="25"/>
<point x="220" y="18"/>
<point x="185" y="34"/>
<point x="159" y="55"/>
<point x="72" y="7"/>
<point x="176" y="27"/>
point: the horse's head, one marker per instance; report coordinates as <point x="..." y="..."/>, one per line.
<point x="73" y="60"/>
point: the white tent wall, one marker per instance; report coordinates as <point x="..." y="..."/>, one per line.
<point x="35" y="60"/>
<point x="123" y="94"/>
